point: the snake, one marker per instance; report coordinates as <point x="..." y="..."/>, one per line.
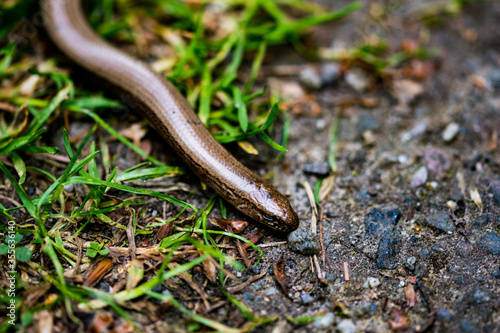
<point x="169" y="113"/>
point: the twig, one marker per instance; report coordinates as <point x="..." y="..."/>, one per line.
<point x="346" y="271"/>
<point x="273" y="244"/>
<point x="241" y="286"/>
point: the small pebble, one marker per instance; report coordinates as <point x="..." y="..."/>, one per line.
<point x="303" y="241"/>
<point x="441" y="221"/>
<point x="464" y="249"/>
<point x="372" y="283"/>
<point x="479" y="296"/>
<point x="491" y="242"/>
<point x="496" y="272"/>
<point x="326" y="321"/>
<point x="468" y="327"/>
<point x="317" y="168"/>
<point x="419" y="178"/>
<point x="330" y="73"/>
<point x="306" y="298"/>
<point x="417" y="130"/>
<point x="450" y="132"/>
<point x="357" y="79"/>
<point x="320" y="124"/>
<point x="271" y="291"/>
<point x="69" y="187"/>
<point x="443" y="315"/>
<point x="494" y="78"/>
<point x="410" y="263"/>
<point x="310" y="79"/>
<point x="346" y="326"/>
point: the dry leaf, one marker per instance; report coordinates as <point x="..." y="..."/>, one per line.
<point x="412" y="279"/>
<point x="102" y="322"/>
<point x="279" y="274"/>
<point x="135" y="274"/>
<point x="253" y="237"/>
<point x="232" y="226"/>
<point x="164" y="231"/>
<point x="398" y="320"/>
<point x="406" y="90"/>
<point x="474" y="194"/>
<point x="243" y="253"/>
<point x="411" y="297"/>
<point x="248" y="147"/>
<point x="45" y="322"/>
<point x="99" y="271"/>
<point x="326" y="187"/>
<point x="209" y="269"/>
<point x="135" y="133"/>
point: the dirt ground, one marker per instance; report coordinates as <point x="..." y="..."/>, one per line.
<point x="410" y="234"/>
<point x="402" y="214"/>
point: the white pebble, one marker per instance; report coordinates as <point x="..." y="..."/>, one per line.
<point x="326" y="321"/>
<point x="420" y="177"/>
<point x="346" y="326"/>
<point x="372" y="282"/>
<point x="450" y="132"/>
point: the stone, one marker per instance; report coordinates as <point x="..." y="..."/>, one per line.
<point x="303" y="241"/>
<point x="346" y="326"/>
<point x="326" y="321"/>
<point x="386" y="253"/>
<point x="329" y="73"/>
<point x="380" y="221"/>
<point x="410" y="263"/>
<point x="371" y="283"/>
<point x="306" y="298"/>
<point x="317" y="168"/>
<point x="419" y="178"/>
<point x="310" y="78"/>
<point x="491" y="242"/>
<point x="441" y="221"/>
<point x="443" y="315"/>
<point x="450" y="132"/>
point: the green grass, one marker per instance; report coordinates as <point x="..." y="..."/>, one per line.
<point x="208" y="70"/>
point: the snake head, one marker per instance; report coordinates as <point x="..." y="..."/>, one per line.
<point x="272" y="209"/>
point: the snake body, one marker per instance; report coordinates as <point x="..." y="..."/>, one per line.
<point x="168" y="111"/>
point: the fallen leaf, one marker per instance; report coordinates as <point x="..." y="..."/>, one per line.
<point x="248" y="147"/>
<point x="411" y="297"/>
<point x="164" y="231"/>
<point x="135" y="274"/>
<point x="232" y="226"/>
<point x="209" y="269"/>
<point x="474" y="194"/>
<point x="398" y="320"/>
<point x="406" y="91"/>
<point x="279" y="274"/>
<point x="99" y="271"/>
<point x="135" y="133"/>
<point x="101" y="323"/>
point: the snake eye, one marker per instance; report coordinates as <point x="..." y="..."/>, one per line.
<point x="268" y="218"/>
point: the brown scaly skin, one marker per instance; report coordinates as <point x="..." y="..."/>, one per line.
<point x="170" y="114"/>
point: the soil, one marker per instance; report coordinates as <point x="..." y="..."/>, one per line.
<point x="410" y="231"/>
